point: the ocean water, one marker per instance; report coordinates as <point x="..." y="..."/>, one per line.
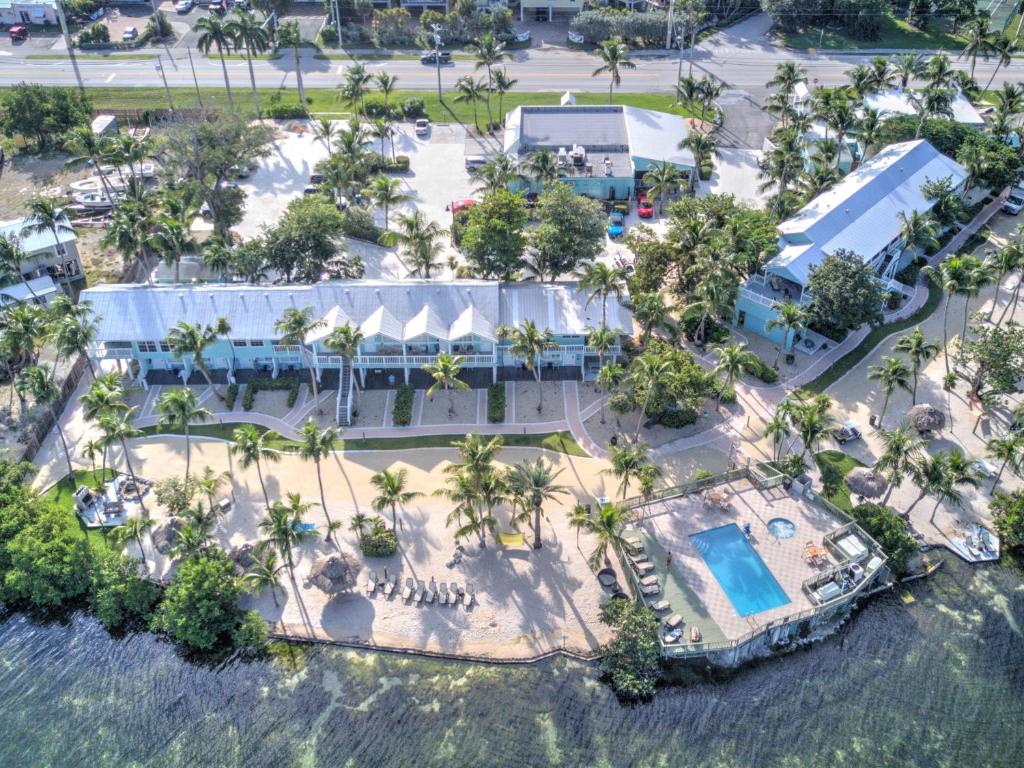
<point x="939" y="682"/>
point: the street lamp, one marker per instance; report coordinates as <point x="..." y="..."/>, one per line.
<point x="437" y="29"/>
<point x="163" y="76"/>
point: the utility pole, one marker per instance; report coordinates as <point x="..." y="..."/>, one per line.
<point x="671" y="26"/>
<point x="679" y="68"/>
<point x="195" y="80"/>
<point x="59" y="6"/>
<point x="437" y="29"/>
<point x="163" y="76"/>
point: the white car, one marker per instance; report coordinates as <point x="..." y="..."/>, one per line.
<point x="129" y="34"/>
<point x="1014" y="203"/>
<point x="422" y="127"/>
<point x="985" y="468"/>
<point x="184" y="6"/>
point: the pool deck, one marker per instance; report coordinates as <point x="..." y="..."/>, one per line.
<point x="690" y="586"/>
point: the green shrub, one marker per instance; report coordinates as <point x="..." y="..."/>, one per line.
<point x="714" y="332"/>
<point x="380" y="541"/>
<point x="285" y="112"/>
<point x="251" y="635"/>
<point x="701" y="474"/>
<point x="679" y="417"/>
<point x="728" y="394"/>
<point x="632" y="661"/>
<point x="399" y="165"/>
<point x="413" y="108"/>
<point x="496" y="403"/>
<point x="358" y="223"/>
<point x="889" y="530"/>
<point x="119" y="596"/>
<point x="329" y="36"/>
<point x="200" y="607"/>
<point x="761" y="370"/>
<point x="401" y="412"/>
<point x="375" y="107"/>
<point x="230" y="396"/>
<point x="96" y="33"/>
<point x="267" y="384"/>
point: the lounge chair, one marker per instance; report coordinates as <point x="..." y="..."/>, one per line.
<point x="652" y="589"/>
<point x="453" y="593"/>
<point x="634" y="545"/>
<point x="470" y="597"/>
<point x="442" y="594"/>
<point x="420" y="590"/>
<point x="673" y="621"/>
<point x="389" y="585"/>
<point x="694" y="634"/>
<point x="371" y="582"/>
<point x="673" y="635"/>
<point x="647" y="581"/>
<point x="660" y="606"/>
<point x="642" y="567"/>
<point x="407" y="592"/>
<point x="431" y="591"/>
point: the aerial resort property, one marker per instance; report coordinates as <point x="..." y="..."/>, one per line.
<point x="608" y="381"/>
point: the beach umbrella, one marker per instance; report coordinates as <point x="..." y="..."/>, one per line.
<point x="243" y="558"/>
<point x="164" y="536"/>
<point x="334" y="574"/>
<point x="864" y="481"/>
<point x="926" y="418"/>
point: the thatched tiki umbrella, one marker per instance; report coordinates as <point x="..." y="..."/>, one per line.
<point x="334" y="574"/>
<point x="864" y="481"/>
<point x="926" y="418"/>
<point x="243" y="556"/>
<point x="166" y="535"/>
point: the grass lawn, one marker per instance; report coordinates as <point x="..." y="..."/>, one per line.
<point x="325" y="100"/>
<point x="872" y="340"/>
<point x="895" y="33"/>
<point x="833" y="466"/>
<point x="562" y="442"/>
<point x="93" y="56"/>
<point x="63" y="494"/>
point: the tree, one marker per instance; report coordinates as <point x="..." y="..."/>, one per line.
<point x="210" y="483"/>
<point x="703" y="146"/>
<point x="734" y="360"/>
<point x="779" y="167"/>
<point x="916" y="347"/>
<point x="947" y="204"/>
<point x="889" y="531"/>
<point x="901" y="450"/>
<point x="11" y="259"/>
<point x="247" y="33"/>
<point x="171" y="239"/>
<point x="285" y="529"/>
<point x="44" y="113"/>
<point x="46" y="215"/>
<point x="531" y="484"/>
<point x="979" y="42"/>
<point x="200" y="607"/>
<point x="908" y="67"/>
<point x="494" y="237"/>
<point x="993" y="360"/>
<point x="471" y="91"/>
<point x="1009" y="451"/>
<point x="844" y="293"/>
<point x="118" y="596"/>
<point x="652" y="313"/>
<point x="445" y="372"/>
<point x="614" y="57"/>
<point x="939" y="476"/>
<point x="500" y="171"/>
<point x="325" y="130"/>
<point x="892" y="374"/>
<point x="917" y="230"/>
<point x="628" y="463"/>
<point x="791" y="318"/>
<point x="383" y="130"/>
<point x="295" y="326"/>
<point x="385" y="192"/>
<point x="571" y="232"/>
<point x="608" y="379"/>
<point x="953" y="277"/>
<point x="386" y="84"/>
<point x="529" y="343"/>
<point x="345" y="340"/>
<point x="709" y="89"/>
<point x="263" y="573"/>
<point x="607" y="527"/>
<point x="632" y="661"/>
<point x="288" y="34"/>
<point x="502" y="84"/>
<point x="777" y="428"/>
<point x="252" y="447"/>
<point x="185" y="339"/>
<point x="315" y="446"/>
<point x="306" y="242"/>
<point x="179" y="409"/>
<point x="646" y="375"/>
<point x="787" y="75"/>
<point x="601" y="281"/>
<point x="38" y="382"/>
<point x="1008" y="515"/>
<point x="391" y="493"/>
<point x="74" y="330"/>
<point x="214" y="33"/>
<point x="542" y="167"/>
<point x="488" y="52"/>
<point x="661" y="181"/>
<point x="419" y="242"/>
<point x="992" y="163"/>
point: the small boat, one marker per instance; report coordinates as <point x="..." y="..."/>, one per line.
<point x="95" y="184"/>
<point x="95" y="200"/>
<point x="145" y="170"/>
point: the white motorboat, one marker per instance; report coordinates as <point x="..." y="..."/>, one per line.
<point x="95" y="184"/>
<point x="98" y="201"/>
<point x="145" y="170"/>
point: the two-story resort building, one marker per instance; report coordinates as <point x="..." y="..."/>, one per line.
<point x="404" y="326"/>
<point x="47" y="265"/>
<point x="603" y="151"/>
<point x="860" y="214"/>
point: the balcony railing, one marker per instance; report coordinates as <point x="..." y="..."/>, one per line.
<point x="113" y="353"/>
<point x="404" y="361"/>
<point x="287" y="349"/>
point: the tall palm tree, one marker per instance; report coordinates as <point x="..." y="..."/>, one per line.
<point x="1001" y="263"/>
<point x="869" y="128"/>
<point x="171" y="238"/>
<point x="185" y="339"/>
<point x="263" y="573"/>
<point x="45" y="214"/>
<point x="117" y="427"/>
<point x="777" y="428"/>
<point x="386" y="84"/>
<point x="316" y="445"/>
<point x="209" y="484"/>
<point x="608" y="379"/>
<point x="709" y="89"/>
<point x="614" y="57"/>
<point x="471" y="91"/>
<point x="734" y="360"/>
<point x="862" y="81"/>
<point x="345" y="340"/>
<point x="252" y="447"/>
<point x="646" y="374"/>
<point x="134" y="528"/>
<point x="392" y="493"/>
<point x="74" y="330"/>
<point x="325" y="130"/>
<point x="901" y="450"/>
<point x="288" y="34"/>
<point x="295" y="325"/>
<point x="214" y="33"/>
<point x="780" y="167"/>
<point x="938" y="72"/>
<point x="607" y="526"/>
<point x="542" y="167"/>
<point x="907" y="67"/>
<point x="501" y="85"/>
<point x="488" y="52"/>
<point x="892" y="374"/>
<point x="497" y="173"/>
<point x="12" y="257"/>
<point x="978" y="42"/>
<point x="953" y="278"/>
<point x="357" y="84"/>
<point x="418" y="239"/>
<point x="628" y="463"/>
<point x="1002" y="48"/>
<point x="652" y="312"/>
<point x="128" y="230"/>
<point x="940" y="476"/>
<point x="602" y="340"/>
<point x="386" y="192"/>
<point x="529" y="343"/>
<point x="383" y="130"/>
<point x="600" y="280"/>
<point x="933" y="102"/>
<point x="84" y="145"/>
<point x="813" y="423"/>
<point x="1009" y="450"/>
<point x="445" y="372"/>
<point x="462" y="492"/>
<point x="247" y="33"/>
<point x="916" y="347"/>
<point x="283" y="527"/>
<point x="703" y="146"/>
<point x="38" y="382"/>
<point x="532" y="484"/>
<point x="661" y="180"/>
<point x="179" y="409"/>
<point x="787" y="75"/>
<point x="791" y="318"/>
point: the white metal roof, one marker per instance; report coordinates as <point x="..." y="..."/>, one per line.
<point x="560" y="308"/>
<point x="17" y="292"/>
<point x="471" y="322"/>
<point x="657" y="135"/>
<point x="861" y="212"/>
<point x="32" y="242"/>
<point x="896" y="101"/>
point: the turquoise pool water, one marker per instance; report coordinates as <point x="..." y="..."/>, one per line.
<point x="739" y="570"/>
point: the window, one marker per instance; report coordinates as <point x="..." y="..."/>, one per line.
<point x="239" y="343"/>
<point x="147" y="346"/>
<point x="255" y="342"/>
<point x="165" y="347"/>
<point x="118" y="345"/>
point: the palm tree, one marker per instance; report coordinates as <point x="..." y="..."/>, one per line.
<point x="386" y="84"/>
<point x="734" y="360"/>
<point x="812" y="423"/>
<point x="952" y="275"/>
<point x="531" y="484"/>
<point x="542" y="167"/>
<point x="652" y="312"/>
<point x="614" y="56"/>
<point x="128" y="230"/>
<point x="284" y="528"/>
<point x="419" y="241"/>
<point x="472" y="91"/>
<point x="135" y="528"/>
<point x="295" y="325"/>
<point x="209" y="484"/>
<point x="628" y="463"/>
<point x="933" y="102"/>
<point x="383" y="130"/>
<point x="979" y="42"/>
<point x="938" y="72"/>
<point x="288" y="34"/>
<point x="901" y="449"/>
<point x="38" y="382"/>
<point x="497" y="173"/>
<point x="607" y="527"/>
<point x="915" y="346"/>
<point x="84" y="145"/>
<point x="600" y="280"/>
<point x="703" y="146"/>
<point x="215" y="33"/>
<point x="709" y="89"/>
<point x="862" y="81"/>
<point x="11" y="259"/>
<point x="918" y="230"/>
<point x="1002" y="48"/>
<point x="1009" y="450"/>
<point x="841" y="118"/>
<point x="1001" y="263"/>
<point x="445" y="372"/>
<point x="179" y="409"/>
<point x="907" y="67"/>
<point x="780" y="166"/>
<point x="385" y="192"/>
<point x="791" y="318"/>
<point x="488" y="52"/>
<point x="462" y="492"/>
<point x="661" y="181"/>
<point x="75" y="331"/>
<point x="46" y="215"/>
<point x="390" y="484"/>
<point x="171" y="238"/>
<point x="501" y="85"/>
<point x="529" y="343"/>
<point x="357" y="82"/>
<point x="252" y="447"/>
<point x="247" y="33"/>
<point x="869" y="128"/>
<point x="185" y="339"/>
<point x="687" y="90"/>
<point x="91" y="450"/>
<point x="325" y="130"/>
<point x="939" y="476"/>
<point x="646" y="374"/>
<point x="777" y="428"/>
<point x="893" y="373"/>
<point x="787" y="75"/>
<point x="608" y="379"/>
<point x="315" y="446"/>
<point x="262" y="573"/>
<point x="345" y="340"/>
<point x="602" y="340"/>
<point x="117" y="427"/>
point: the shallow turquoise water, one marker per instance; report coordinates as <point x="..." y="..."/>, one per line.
<point x="937" y="683"/>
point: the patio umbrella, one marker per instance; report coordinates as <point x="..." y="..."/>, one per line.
<point x="334" y="574"/>
<point x="865" y="482"/>
<point x="926" y="418"/>
<point x="164" y="536"/>
<point x="243" y="558"/>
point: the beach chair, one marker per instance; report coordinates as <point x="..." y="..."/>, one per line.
<point x="420" y="590"/>
<point x="389" y="585"/>
<point x="634" y="545"/>
<point x="470" y="597"/>
<point x="694" y="634"/>
<point x="647" y="581"/>
<point x="442" y="594"/>
<point x="453" y="593"/>
<point x="661" y="606"/>
<point x="651" y="589"/>
<point x="673" y="621"/>
<point x="431" y="591"/>
<point x="642" y="567"/>
<point x="371" y="582"/>
<point x="407" y="592"/>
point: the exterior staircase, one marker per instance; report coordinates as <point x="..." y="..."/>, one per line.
<point x="343" y="413"/>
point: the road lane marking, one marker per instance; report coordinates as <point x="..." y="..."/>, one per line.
<point x="110" y="77"/>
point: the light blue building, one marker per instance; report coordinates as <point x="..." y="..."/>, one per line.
<point x="405" y="325"/>
<point x="860" y="214"/>
<point x="603" y="151"/>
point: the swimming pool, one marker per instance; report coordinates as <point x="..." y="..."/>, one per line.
<point x="739" y="570"/>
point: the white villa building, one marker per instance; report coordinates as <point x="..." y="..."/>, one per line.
<point x="47" y="263"/>
<point x="861" y="214"/>
<point x="896" y="101"/>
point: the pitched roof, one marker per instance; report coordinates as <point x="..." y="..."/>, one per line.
<point x="33" y="242"/>
<point x="896" y="101"/>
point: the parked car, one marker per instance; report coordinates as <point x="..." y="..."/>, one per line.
<point x="311" y="189"/>
<point x="461" y="205"/>
<point x="616" y="225"/>
<point x="644" y="208"/>
<point x="847" y="432"/>
<point x="18" y="32"/>
<point x="316" y="178"/>
<point x="220" y="8"/>
<point x="431" y="57"/>
<point x="98" y="14"/>
<point x="129" y="34"/>
<point x="184" y="6"/>
<point x="422" y="127"/>
<point x="473" y="162"/>
<point x="1014" y="203"/>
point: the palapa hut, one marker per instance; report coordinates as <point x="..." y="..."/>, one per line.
<point x="165" y="536"/>
<point x="864" y="481"/>
<point x="243" y="558"/>
<point x="334" y="574"/>
<point x="926" y="418"/>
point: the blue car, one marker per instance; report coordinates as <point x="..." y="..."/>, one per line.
<point x="615" y="225"/>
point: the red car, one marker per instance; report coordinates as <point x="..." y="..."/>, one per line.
<point x="18" y="32"/>
<point x="644" y="209"/>
<point x="461" y="205"/>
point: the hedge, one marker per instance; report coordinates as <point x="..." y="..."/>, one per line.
<point x="379" y="542"/>
<point x="496" y="403"/>
<point x="231" y="396"/>
<point x="678" y="418"/>
<point x="264" y="383"/>
<point x="761" y="370"/>
<point x="358" y="223"/>
<point x="285" y="112"/>
<point x="401" y="412"/>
